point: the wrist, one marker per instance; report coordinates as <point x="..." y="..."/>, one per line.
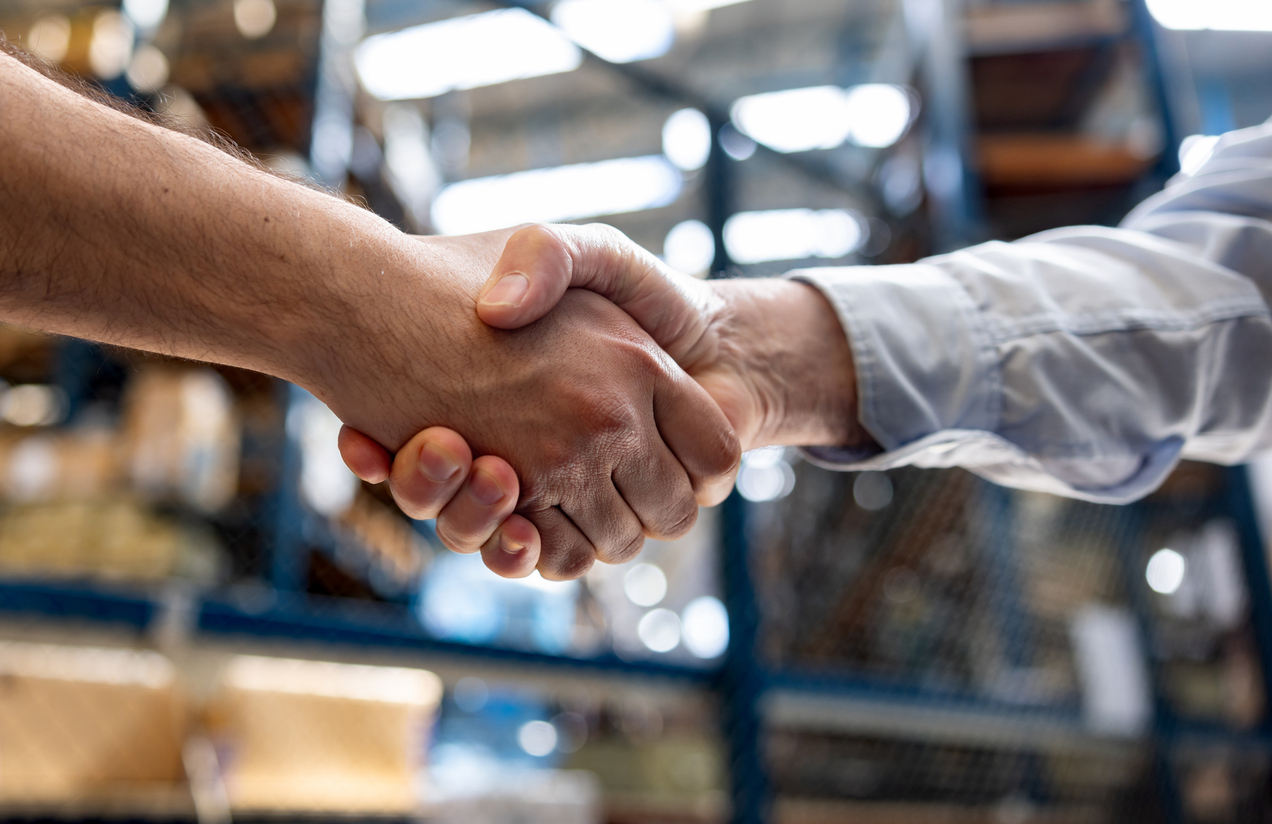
<point x="343" y="330"/>
<point x="390" y="339"/>
<point x="794" y="356"/>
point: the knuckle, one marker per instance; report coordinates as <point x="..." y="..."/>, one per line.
<point x="681" y="519"/>
<point x="722" y="453"/>
<point x="457" y="540"/>
<point x="610" y="416"/>
<point x="543" y="477"/>
<point x="536" y="495"/>
<point x="417" y="508"/>
<point x="540" y="238"/>
<point x="627" y="549"/>
<point x="557" y="463"/>
<point x="567" y="565"/>
<point x="608" y="234"/>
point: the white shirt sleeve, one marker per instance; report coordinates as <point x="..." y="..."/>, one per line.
<point x="1084" y="361"/>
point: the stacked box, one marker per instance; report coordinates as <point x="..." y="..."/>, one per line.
<point x="315" y="736"/>
<point x="88" y="725"/>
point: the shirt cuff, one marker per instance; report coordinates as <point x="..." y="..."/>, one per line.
<point x="924" y="357"/>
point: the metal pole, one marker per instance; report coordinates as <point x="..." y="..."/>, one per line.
<point x="742" y="678"/>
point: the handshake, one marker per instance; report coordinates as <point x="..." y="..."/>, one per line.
<point x="606" y="395"/>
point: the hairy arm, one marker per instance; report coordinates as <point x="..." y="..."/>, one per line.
<point x="121" y="231"/>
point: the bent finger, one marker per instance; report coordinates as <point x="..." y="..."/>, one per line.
<point x="428" y="471"/>
<point x="479" y="506"/>
<point x="364" y="457"/>
<point x="659" y="491"/>
<point x="606" y="519"/>
<point x="699" y="435"/>
<point x="513" y="551"/>
<point x="565" y="552"/>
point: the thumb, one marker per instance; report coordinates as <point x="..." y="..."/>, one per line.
<point x="364" y="457"/>
<point x="540" y="262"/>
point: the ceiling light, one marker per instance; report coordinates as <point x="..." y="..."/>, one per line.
<point x="659" y="630"/>
<point x="552" y="195"/>
<point x="764" y="456"/>
<point x="690" y="248"/>
<point x="686" y="139"/>
<point x="765" y="483"/>
<point x="537" y="738"/>
<point x="619" y="31"/>
<point x="792" y="234"/>
<point x="463" y="53"/>
<point x="823" y="117"/>
<point x="50" y="37"/>
<point x="878" y="114"/>
<point x="110" y="50"/>
<point x="736" y="144"/>
<point x="148" y="70"/>
<point x="33" y="405"/>
<point x="413" y="173"/>
<point x="146" y="14"/>
<point x="1224" y="15"/>
<point x="705" y="627"/>
<point x="326" y="484"/>
<point x="1165" y="572"/>
<point x="645" y="585"/>
<point x="254" y="18"/>
<point x="796" y="120"/>
<point x="684" y="6"/>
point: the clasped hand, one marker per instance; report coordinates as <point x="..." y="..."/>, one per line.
<point x="619" y="404"/>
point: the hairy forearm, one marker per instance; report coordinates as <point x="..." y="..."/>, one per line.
<point x="120" y="231"/>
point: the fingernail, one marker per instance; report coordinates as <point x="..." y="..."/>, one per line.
<point x="485" y="488"/>
<point x="436" y="464"/>
<point x="510" y="546"/>
<point x="509" y="291"/>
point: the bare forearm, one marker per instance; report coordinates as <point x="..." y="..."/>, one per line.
<point x="791" y="353"/>
<point x="120" y="231"/>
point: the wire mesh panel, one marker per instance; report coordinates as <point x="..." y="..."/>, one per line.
<point x="943" y="644"/>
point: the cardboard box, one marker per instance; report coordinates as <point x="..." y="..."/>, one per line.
<point x="81" y="724"/>
<point x="314" y="736"/>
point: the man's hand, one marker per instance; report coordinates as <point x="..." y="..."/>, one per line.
<point x="770" y="352"/>
<point x="610" y="439"/>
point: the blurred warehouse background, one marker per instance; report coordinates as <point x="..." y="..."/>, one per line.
<point x="204" y="617"/>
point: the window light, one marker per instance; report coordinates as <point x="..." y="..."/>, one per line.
<point x="686" y="138"/>
<point x="619" y="31"/>
<point x="1224" y="15"/>
<point x="688" y="6"/>
<point x="552" y="195"/>
<point x="792" y="234"/>
<point x="463" y="53"/>
<point x="823" y="117"/>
